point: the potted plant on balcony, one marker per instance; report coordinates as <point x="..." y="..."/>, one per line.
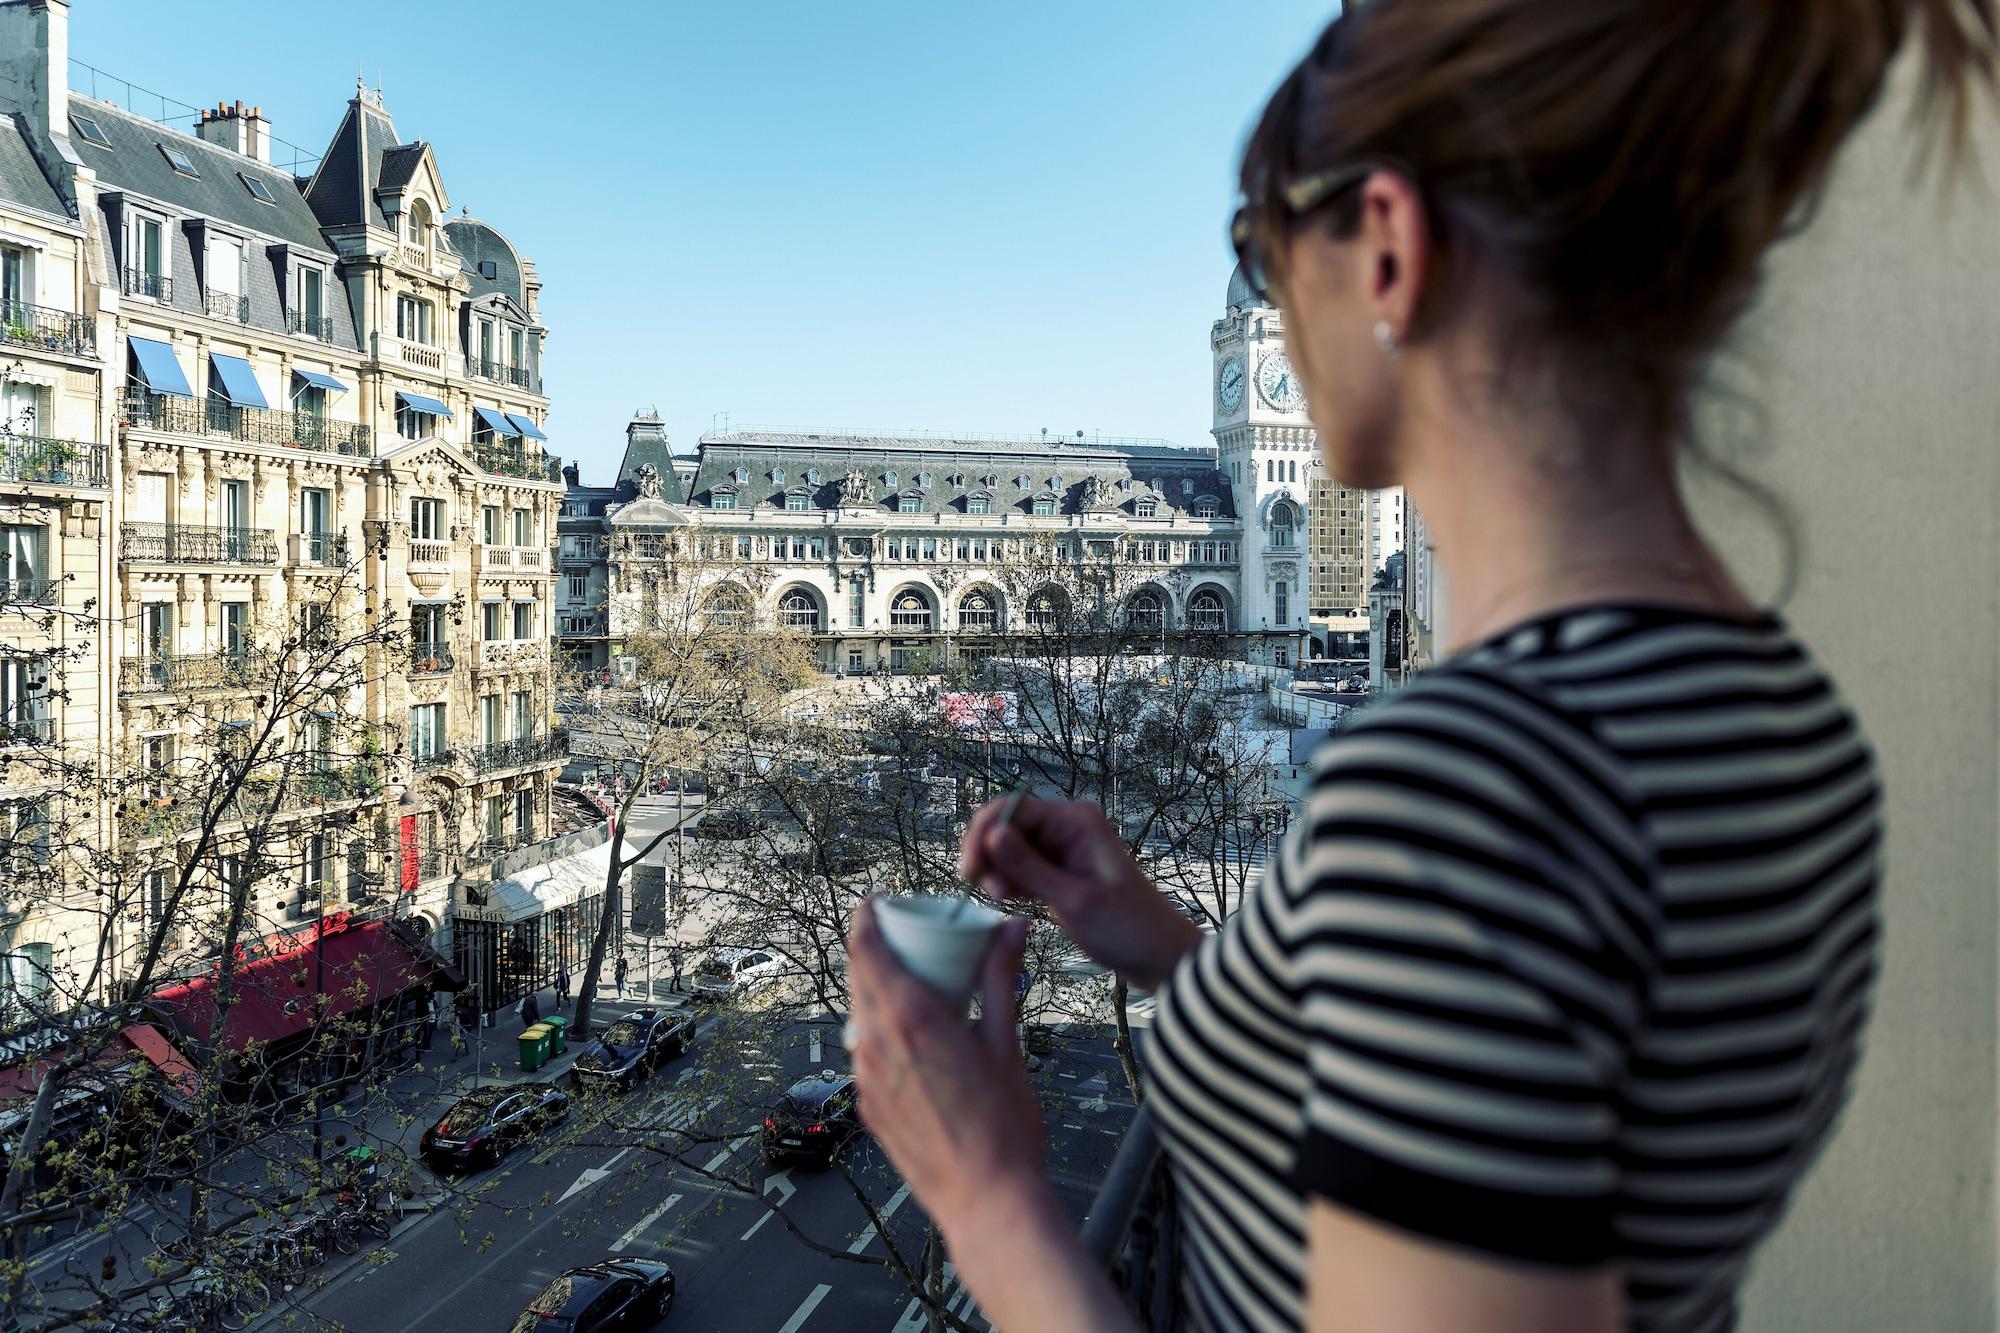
<point x="51" y="462"/>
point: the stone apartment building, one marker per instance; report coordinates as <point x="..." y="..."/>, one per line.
<point x="263" y="385"/>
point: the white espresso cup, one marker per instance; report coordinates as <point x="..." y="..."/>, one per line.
<point x="941" y="940"/>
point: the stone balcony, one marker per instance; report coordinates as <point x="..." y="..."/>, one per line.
<point x="511" y="561"/>
<point x="426" y="553"/>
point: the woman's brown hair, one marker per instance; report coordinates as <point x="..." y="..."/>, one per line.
<point x="1621" y="166"/>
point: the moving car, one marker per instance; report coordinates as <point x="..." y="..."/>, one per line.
<point x="729" y="973"/>
<point x="625" y="1292"/>
<point x="633" y="1047"/>
<point x="814" y="1119"/>
<point x="488" y="1123"/>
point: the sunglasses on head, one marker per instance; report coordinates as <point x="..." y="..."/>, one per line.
<point x="1293" y="202"/>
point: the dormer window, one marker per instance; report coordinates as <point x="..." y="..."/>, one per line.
<point x="777" y="476"/>
<point x="1204" y="507"/>
<point x="978" y="504"/>
<point x="924" y="480"/>
<point x="1045" y="506"/>
<point x="1145" y="509"/>
<point x="1023" y="481"/>
<point x="989" y="480"/>
<point x="418" y="223"/>
<point x="812" y="476"/>
<point x="741" y="474"/>
<point x="722" y="499"/>
<point x="889" y="479"/>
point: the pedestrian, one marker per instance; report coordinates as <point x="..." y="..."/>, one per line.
<point x="618" y="972"/>
<point x="530" y="1010"/>
<point x="674" y="959"/>
<point x="1558" y="987"/>
<point x="562" y="984"/>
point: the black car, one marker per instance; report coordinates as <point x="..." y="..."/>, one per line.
<point x="488" y="1123"/>
<point x="633" y="1047"/>
<point x="625" y="1292"/>
<point x="813" y="1119"/>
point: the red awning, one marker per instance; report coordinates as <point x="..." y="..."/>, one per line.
<point x="276" y="998"/>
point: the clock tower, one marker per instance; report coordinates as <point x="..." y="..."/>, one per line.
<point x="1268" y="449"/>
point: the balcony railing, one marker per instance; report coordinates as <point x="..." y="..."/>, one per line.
<point x="254" y="425"/>
<point x="174" y="671"/>
<point x="424" y="761"/>
<point x="528" y="750"/>
<point x="313" y="326"/>
<point x="430" y="659"/>
<point x="588" y="626"/>
<point x="39" y="326"/>
<point x="426" y="551"/>
<point x="29" y="592"/>
<point x="416" y="354"/>
<point x="27" y="730"/>
<point x="227" y="305"/>
<point x="512" y="559"/>
<point x="324" y="550"/>
<point x="158" y="286"/>
<point x="56" y="462"/>
<point x="505" y="461"/>
<point x="191" y="544"/>
<point x="509" y="653"/>
<point x="1131" y="1229"/>
<point x="521" y="377"/>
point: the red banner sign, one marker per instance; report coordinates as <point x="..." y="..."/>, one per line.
<point x="408" y="838"/>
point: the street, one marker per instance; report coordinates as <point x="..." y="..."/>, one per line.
<point x="604" y="1185"/>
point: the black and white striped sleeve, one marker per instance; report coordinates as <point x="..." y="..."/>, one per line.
<point x="1467" y="931"/>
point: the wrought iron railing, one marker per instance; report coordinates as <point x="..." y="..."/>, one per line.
<point x="29" y="592"/>
<point x="57" y="462"/>
<point x="254" y="425"/>
<point x="188" y="543"/>
<point x="527" y="750"/>
<point x="156" y="285"/>
<point x="505" y="461"/>
<point x="313" y="326"/>
<point x="1131" y="1230"/>
<point x="27" y="730"/>
<point x="176" y="671"/>
<point x="326" y="549"/>
<point x="430" y="659"/>
<point x="227" y="305"/>
<point x="424" y="761"/>
<point x="521" y="377"/>
<point x="39" y="326"/>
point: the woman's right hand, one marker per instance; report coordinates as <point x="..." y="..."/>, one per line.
<point x="1066" y="854"/>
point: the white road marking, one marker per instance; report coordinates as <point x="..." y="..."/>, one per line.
<point x="806" y="1307"/>
<point x="591" y="1175"/>
<point x="913" y="1320"/>
<point x="728" y="1152"/>
<point x="646" y="1221"/>
<point x="813" y="1048"/>
<point x="781" y="1181"/>
<point x="885" y="1212"/>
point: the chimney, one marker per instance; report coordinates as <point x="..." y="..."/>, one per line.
<point x="34" y="59"/>
<point x="238" y="128"/>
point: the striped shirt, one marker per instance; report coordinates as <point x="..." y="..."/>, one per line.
<point x="1566" y="961"/>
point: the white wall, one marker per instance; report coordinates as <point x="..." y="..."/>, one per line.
<point x="1877" y="355"/>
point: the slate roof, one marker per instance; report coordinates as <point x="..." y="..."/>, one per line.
<point x="646" y="442"/>
<point x="399" y="166"/>
<point x="342" y="192"/>
<point x="22" y="182"/>
<point x="475" y="243"/>
<point x="1174" y="478"/>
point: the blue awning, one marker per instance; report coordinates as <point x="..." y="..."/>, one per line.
<point x="528" y="427"/>
<point x="318" y="381"/>
<point x="160" y="368"/>
<point x="239" y="382"/>
<point x="497" y="422"/>
<point x="418" y="402"/>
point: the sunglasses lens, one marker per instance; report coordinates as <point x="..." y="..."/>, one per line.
<point x="1249" y="254"/>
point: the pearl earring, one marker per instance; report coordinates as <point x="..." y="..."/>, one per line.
<point x="1385" y="338"/>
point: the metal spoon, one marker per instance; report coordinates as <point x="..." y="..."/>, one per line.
<point x="1013" y="804"/>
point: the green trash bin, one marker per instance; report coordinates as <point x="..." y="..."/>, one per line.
<point x="558" y="1027"/>
<point x="534" y="1046"/>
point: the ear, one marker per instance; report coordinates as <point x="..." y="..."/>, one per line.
<point x="1395" y="249"/>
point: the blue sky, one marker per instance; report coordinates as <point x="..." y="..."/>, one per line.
<point x="943" y="216"/>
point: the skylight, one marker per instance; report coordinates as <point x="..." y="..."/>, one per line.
<point x="89" y="131"/>
<point x="258" y="190"/>
<point x="179" y="161"/>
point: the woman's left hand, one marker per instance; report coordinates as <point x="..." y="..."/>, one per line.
<point x="950" y="1104"/>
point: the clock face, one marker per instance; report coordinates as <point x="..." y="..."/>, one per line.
<point x="1279" y="384"/>
<point x="1229" y="384"/>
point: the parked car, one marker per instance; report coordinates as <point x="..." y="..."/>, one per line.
<point x="633" y="1047"/>
<point x="728" y="825"/>
<point x="814" y="1119"/>
<point x="625" y="1292"/>
<point x="486" y="1124"/>
<point x="730" y="973"/>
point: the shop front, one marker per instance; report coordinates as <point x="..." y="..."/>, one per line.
<point x="516" y="934"/>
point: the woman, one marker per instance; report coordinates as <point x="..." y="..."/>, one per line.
<point x="1557" y="987"/>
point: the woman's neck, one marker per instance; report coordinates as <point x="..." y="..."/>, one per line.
<point x="1530" y="514"/>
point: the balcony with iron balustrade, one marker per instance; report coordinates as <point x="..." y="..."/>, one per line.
<point x="47" y="461"/>
<point x="161" y="673"/>
<point x="512" y="461"/>
<point x="430" y="659"/>
<point x="30" y="592"/>
<point x="498" y="755"/>
<point x="196" y="544"/>
<point x="26" y="729"/>
<point x="46" y="329"/>
<point x="154" y="286"/>
<point x="320" y="550"/>
<point x="217" y="419"/>
<point x="510" y="561"/>
<point x="319" y="327"/>
<point x="521" y="377"/>
<point x="227" y="305"/>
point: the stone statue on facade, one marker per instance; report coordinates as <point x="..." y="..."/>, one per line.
<point x="1096" y="493"/>
<point x="854" y="489"/>
<point x="648" y="480"/>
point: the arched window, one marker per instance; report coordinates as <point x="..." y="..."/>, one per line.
<point x="812" y="476"/>
<point x="728" y="608"/>
<point x="419" y="222"/>
<point x="978" y="614"/>
<point x="889" y="480"/>
<point x="1045" y="611"/>
<point x="798" y="611"/>
<point x="1147" y="612"/>
<point x="1283" y="519"/>
<point x="909" y="611"/>
<point x="1206" y="612"/>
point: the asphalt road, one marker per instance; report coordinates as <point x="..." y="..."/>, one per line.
<point x="606" y="1184"/>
